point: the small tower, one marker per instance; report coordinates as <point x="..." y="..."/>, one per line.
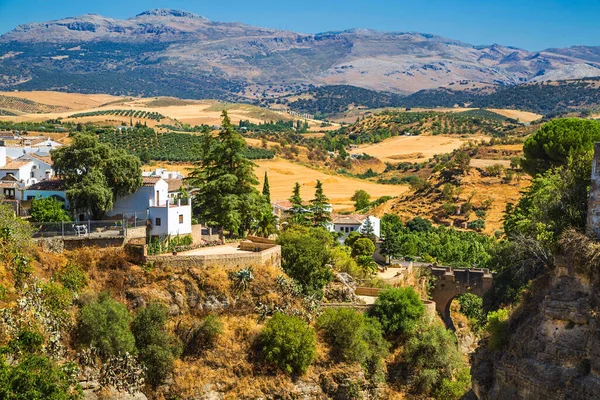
<point x="593" y="214"/>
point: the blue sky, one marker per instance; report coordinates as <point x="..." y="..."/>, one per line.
<point x="530" y="24"/>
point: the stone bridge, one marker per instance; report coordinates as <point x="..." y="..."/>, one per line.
<point x="451" y="282"/>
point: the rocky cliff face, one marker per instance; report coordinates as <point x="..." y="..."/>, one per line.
<point x="554" y="347"/>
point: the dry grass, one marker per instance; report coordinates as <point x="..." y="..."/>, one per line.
<point x="284" y="174"/>
<point x="423" y="147"/>
<point x="522" y="116"/>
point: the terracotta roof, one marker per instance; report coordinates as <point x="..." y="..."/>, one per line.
<point x="150" y="180"/>
<point x="352" y="219"/>
<point x="46" y="159"/>
<point x="287" y="205"/>
<point x="50" y="184"/>
<point x="174" y="184"/>
<point x="14" y="165"/>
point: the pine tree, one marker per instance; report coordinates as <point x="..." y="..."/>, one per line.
<point x="225" y="179"/>
<point x="266" y="191"/>
<point x="296" y="199"/>
<point x="368" y="230"/>
<point x="320" y="207"/>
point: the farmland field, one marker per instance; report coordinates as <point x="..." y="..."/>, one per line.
<point x="421" y="148"/>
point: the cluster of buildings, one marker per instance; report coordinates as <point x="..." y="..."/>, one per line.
<point x="26" y="173"/>
<point x="343" y="224"/>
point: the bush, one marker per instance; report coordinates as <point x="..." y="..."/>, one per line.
<point x="305" y="254"/>
<point x="497" y="328"/>
<point x="449" y="208"/>
<point x="72" y="277"/>
<point x="104" y="324"/>
<point x="494" y="170"/>
<point x="352" y="337"/>
<point x="156" y="348"/>
<point x="57" y="300"/>
<point x="202" y="336"/>
<point x="433" y="364"/>
<point x="37" y="377"/>
<point x="363" y="247"/>
<point x="48" y="209"/>
<point x="398" y="310"/>
<point x="477" y="225"/>
<point x="288" y="343"/>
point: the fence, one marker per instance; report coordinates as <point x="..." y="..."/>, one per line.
<point x="84" y="229"/>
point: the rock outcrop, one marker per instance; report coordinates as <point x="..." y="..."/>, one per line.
<point x="553" y="351"/>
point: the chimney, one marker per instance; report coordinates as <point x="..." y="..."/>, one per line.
<point x="593" y="213"/>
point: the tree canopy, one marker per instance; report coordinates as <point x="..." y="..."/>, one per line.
<point x="225" y="181"/>
<point x="95" y="174"/>
<point x="556" y="140"/>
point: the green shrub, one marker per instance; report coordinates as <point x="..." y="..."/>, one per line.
<point x="49" y="209"/>
<point x="104" y="324"/>
<point x="72" y="277"/>
<point x="449" y="208"/>
<point x="156" y="348"/>
<point x="398" y="310"/>
<point x="57" y="300"/>
<point x="477" y="225"/>
<point x="481" y="214"/>
<point x="419" y="224"/>
<point x="432" y="363"/>
<point x="471" y="306"/>
<point x="352" y="336"/>
<point x="37" y="377"/>
<point x="497" y="328"/>
<point x="363" y="247"/>
<point x="202" y="336"/>
<point x="27" y="341"/>
<point x="288" y="343"/>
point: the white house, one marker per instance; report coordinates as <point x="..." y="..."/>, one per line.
<point x="353" y="223"/>
<point x="167" y="216"/>
<point x="42" y="165"/>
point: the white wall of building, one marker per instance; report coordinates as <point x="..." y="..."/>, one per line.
<point x="143" y="198"/>
<point x="23" y="174"/>
<point x="174" y="220"/>
<point x="40" y="168"/>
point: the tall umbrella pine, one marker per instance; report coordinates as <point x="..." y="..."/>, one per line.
<point x="226" y="196"/>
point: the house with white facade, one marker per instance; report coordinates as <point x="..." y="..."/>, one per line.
<point x="163" y="173"/>
<point x="166" y="215"/>
<point x="345" y="224"/>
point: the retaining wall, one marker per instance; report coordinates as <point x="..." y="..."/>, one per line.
<point x="271" y="255"/>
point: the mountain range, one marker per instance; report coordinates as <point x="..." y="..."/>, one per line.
<point x="171" y="52"/>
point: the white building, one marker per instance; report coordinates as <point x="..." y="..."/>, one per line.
<point x="353" y="223"/>
<point x="167" y="215"/>
<point x="163" y="173"/>
<point x="27" y="168"/>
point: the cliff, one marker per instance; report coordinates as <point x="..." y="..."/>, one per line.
<point x="553" y="347"/>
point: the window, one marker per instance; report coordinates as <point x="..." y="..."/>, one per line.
<point x="32" y="174"/>
<point x="181" y="219"/>
<point x="157" y="222"/>
<point x="341" y="229"/>
<point x="352" y="229"/>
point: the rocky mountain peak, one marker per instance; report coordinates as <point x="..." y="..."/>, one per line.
<point x="166" y="12"/>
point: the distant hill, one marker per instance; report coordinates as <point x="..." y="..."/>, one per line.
<point x="176" y="53"/>
<point x="539" y="97"/>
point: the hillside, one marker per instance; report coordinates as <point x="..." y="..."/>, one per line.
<point x="176" y="53"/>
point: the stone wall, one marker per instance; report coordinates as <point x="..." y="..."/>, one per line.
<point x="135" y="233"/>
<point x="57" y="244"/>
<point x="239" y="260"/>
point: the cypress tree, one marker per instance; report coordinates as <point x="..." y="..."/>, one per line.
<point x="266" y="191"/>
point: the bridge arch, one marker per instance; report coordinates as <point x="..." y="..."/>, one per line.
<point x="450" y="282"/>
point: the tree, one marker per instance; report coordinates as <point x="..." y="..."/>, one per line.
<point x="556" y="140"/>
<point x="266" y="191"/>
<point x="288" y="343"/>
<point x="419" y="224"/>
<point x="48" y="209"/>
<point x="305" y="257"/>
<point x="95" y="175"/>
<point x="361" y="199"/>
<point x="368" y="230"/>
<point x="321" y="209"/>
<point x="398" y="310"/>
<point x="363" y="247"/>
<point x="299" y="213"/>
<point x="156" y="348"/>
<point x="104" y="324"/>
<point x="225" y="181"/>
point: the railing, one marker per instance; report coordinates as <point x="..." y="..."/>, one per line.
<point x="84" y="229"/>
